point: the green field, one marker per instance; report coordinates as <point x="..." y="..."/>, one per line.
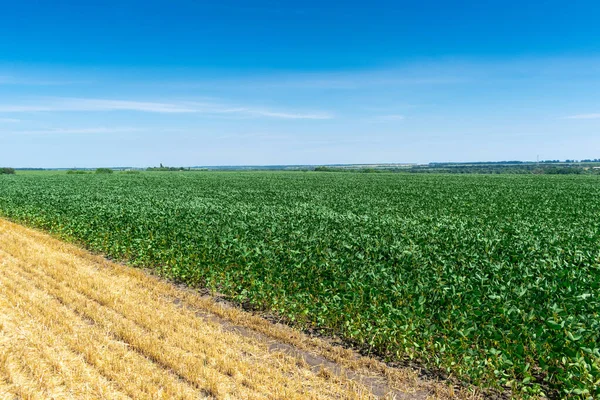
<point x="494" y="279"/>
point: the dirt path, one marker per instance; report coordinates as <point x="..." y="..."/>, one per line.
<point x="73" y="325"/>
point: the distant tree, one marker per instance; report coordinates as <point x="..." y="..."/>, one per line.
<point x="104" y="171"/>
<point x="163" y="168"/>
<point x="7" y="171"/>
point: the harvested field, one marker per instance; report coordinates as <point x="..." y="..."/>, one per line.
<point x="73" y="325"/>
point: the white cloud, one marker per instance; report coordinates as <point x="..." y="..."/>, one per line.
<point x="75" y="104"/>
<point x="584" y="116"/>
<point x="329" y="80"/>
<point x="284" y="115"/>
<point x="86" y="104"/>
<point x="12" y="80"/>
<point x="75" y="131"/>
<point x="9" y="120"/>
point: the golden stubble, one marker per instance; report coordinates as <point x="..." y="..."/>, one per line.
<point x="74" y="325"/>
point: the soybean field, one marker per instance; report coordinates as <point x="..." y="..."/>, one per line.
<point x="493" y="280"/>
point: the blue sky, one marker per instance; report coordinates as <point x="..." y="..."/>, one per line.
<point x="86" y="84"/>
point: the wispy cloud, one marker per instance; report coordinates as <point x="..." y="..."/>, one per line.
<point x="326" y="80"/>
<point x="442" y="72"/>
<point x="215" y="108"/>
<point x="86" y="104"/>
<point x="389" y="118"/>
<point x="78" y="104"/>
<point x="9" y="120"/>
<point x="366" y="79"/>
<point x="83" y="131"/>
<point x="584" y="116"/>
<point x="284" y="115"/>
<point x="25" y="81"/>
